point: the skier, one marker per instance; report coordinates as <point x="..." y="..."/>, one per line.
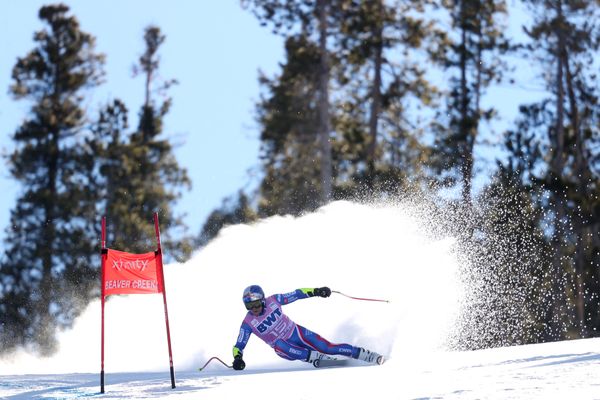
<point x="289" y="340"/>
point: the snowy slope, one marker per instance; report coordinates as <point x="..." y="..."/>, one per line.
<point x="364" y="251"/>
<point x="565" y="370"/>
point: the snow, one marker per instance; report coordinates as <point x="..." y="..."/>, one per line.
<point x="379" y="252"/>
<point x="564" y="370"/>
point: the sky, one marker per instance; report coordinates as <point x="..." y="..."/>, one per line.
<point x="372" y="251"/>
<point x="215" y="50"/>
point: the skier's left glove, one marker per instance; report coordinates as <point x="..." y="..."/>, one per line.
<point x="322" y="292"/>
<point x="238" y="363"/>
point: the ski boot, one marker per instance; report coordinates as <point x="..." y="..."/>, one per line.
<point x="370" y="356"/>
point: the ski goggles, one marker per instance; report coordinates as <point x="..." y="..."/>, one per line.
<point x="254" y="304"/>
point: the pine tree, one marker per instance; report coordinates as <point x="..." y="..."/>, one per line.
<point x="233" y="211"/>
<point x="564" y="42"/>
<point x="471" y="53"/>
<point x="156" y="180"/>
<point x="47" y="272"/>
<point x="115" y="169"/>
<point x="511" y="253"/>
<point x="377" y="48"/>
<point x="312" y="20"/>
<point x="288" y="115"/>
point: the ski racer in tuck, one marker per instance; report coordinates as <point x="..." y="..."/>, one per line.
<point x="266" y="320"/>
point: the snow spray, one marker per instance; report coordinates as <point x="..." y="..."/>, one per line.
<point x="374" y="251"/>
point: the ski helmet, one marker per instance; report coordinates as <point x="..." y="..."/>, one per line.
<point x="253" y="295"/>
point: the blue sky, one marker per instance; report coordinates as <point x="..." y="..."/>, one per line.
<point x="213" y="48"/>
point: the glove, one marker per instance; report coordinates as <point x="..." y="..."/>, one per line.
<point x="322" y="292"/>
<point x="238" y="363"/>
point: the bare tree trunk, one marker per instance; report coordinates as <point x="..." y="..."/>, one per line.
<point x="464" y="113"/>
<point x="43" y="326"/>
<point x="324" y="119"/>
<point x="580" y="261"/>
<point x="375" y="93"/>
<point x="581" y="177"/>
<point x="473" y="120"/>
<point x="557" y="166"/>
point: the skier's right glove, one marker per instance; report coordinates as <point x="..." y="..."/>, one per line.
<point x="238" y="363"/>
<point x="322" y="292"/>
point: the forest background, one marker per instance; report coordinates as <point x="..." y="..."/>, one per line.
<point x="485" y="113"/>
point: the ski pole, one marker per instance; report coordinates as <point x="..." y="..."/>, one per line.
<point x="359" y="298"/>
<point x="214" y="358"/>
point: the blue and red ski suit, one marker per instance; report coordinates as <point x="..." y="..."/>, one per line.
<point x="289" y="340"/>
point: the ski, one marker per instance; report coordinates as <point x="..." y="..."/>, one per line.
<point x="330" y="363"/>
<point x="342" y="362"/>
